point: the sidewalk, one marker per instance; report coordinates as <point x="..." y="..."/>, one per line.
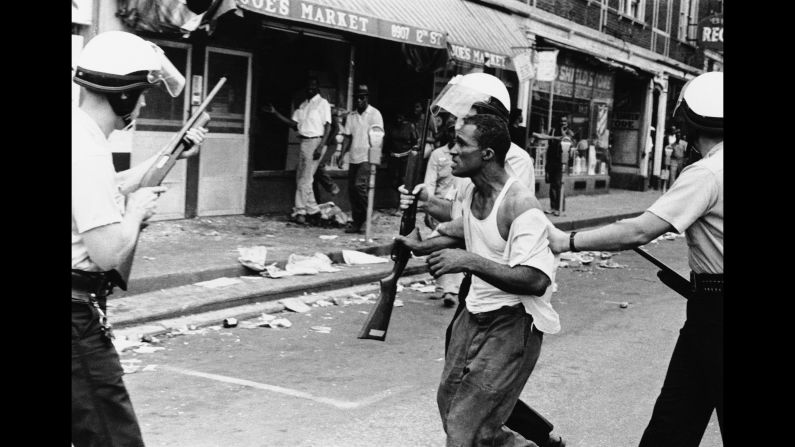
<point x="174" y="255"/>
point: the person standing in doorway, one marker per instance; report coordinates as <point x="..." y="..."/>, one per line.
<point x="312" y="121"/>
<point x="357" y="142"/>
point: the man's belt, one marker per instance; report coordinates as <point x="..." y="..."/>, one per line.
<point x="98" y="284"/>
<point x="707" y="283"/>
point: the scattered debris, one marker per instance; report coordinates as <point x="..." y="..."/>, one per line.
<point x="621" y="304"/>
<point x="398" y="303"/>
<point x="294" y="304"/>
<point x="399" y="288"/>
<point x="321" y="329"/>
<point x="219" y="282"/>
<point x="212" y="233"/>
<point x="253" y="257"/>
<point x="230" y="322"/>
<point x="328" y="237"/>
<point x="322" y="303"/>
<point x="586" y="259"/>
<point x="353" y="257"/>
<point x="301" y="265"/>
<point x="554" y="287"/>
<point x="149" y="339"/>
<point x="148" y="349"/>
<point x="423" y="288"/>
<point x="610" y="264"/>
<point x="149" y="368"/>
<point x="148" y="258"/>
<point x="563" y="265"/>
<point x="130" y="366"/>
<point x="123" y="343"/>
<point x="605" y="255"/>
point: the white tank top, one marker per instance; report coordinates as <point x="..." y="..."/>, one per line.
<point x="483" y="238"/>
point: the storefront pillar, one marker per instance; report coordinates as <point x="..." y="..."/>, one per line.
<point x="662" y="104"/>
<point x="648" y="113"/>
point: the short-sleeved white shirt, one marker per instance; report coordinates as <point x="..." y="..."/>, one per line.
<point x="96" y="199"/>
<point x="357" y="125"/>
<point x="311" y="115"/>
<point x="694" y="204"/>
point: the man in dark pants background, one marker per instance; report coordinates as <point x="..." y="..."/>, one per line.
<point x="358" y="142"/>
<point x="693" y="385"/>
<point x="554" y="166"/>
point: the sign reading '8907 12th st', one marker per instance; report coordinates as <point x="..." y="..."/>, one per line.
<point x="303" y="11"/>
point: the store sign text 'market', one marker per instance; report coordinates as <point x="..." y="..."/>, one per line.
<point x="479" y="57"/>
<point x="344" y="20"/>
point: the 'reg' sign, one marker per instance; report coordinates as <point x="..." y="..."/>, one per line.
<point x="710" y="32"/>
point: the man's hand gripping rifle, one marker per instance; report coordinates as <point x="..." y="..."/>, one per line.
<point x="377" y="322"/>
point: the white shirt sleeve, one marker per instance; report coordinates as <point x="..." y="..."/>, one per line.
<point x="95" y="201"/>
<point x="692" y="195"/>
<point x="325" y="111"/>
<point x="528" y="244"/>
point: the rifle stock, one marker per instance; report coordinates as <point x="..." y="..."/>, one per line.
<point x="154" y="176"/>
<point x="377" y="322"/>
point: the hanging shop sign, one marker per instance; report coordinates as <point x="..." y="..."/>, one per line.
<point x="477" y="56"/>
<point x="710" y="32"/>
<point x="524" y="66"/>
<point x="338" y="19"/>
<point x="547" y="63"/>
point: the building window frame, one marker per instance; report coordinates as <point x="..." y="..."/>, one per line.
<point x="687" y="29"/>
<point x="625" y="9"/>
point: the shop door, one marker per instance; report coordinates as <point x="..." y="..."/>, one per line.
<point x="223" y="163"/>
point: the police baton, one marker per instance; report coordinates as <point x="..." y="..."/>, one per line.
<point x="668" y="276"/>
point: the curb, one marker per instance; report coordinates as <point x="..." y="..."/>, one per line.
<point x="152" y="283"/>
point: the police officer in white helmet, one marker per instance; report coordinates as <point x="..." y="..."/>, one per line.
<point x="693" y="386"/>
<point x="465" y="96"/>
<point x="114" y="69"/>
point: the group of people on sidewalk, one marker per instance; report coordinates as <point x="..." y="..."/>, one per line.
<point x="489" y="231"/>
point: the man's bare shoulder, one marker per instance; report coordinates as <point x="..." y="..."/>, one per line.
<point x="518" y="200"/>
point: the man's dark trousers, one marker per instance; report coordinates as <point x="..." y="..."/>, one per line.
<point x="523" y="419"/>
<point x="490" y="357"/>
<point x="693" y="385"/>
<point x="555" y="185"/>
<point x="102" y="414"/>
<point x="358" y="179"/>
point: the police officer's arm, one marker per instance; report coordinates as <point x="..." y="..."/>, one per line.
<point x="108" y="245"/>
<point x="622" y="235"/>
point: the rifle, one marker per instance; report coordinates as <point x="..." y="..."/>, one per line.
<point x="167" y="158"/>
<point x="377" y="321"/>
<point x="668" y="277"/>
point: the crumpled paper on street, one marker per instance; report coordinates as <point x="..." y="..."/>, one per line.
<point x="610" y="264"/>
<point x="353" y="257"/>
<point x="423" y="288"/>
<point x="253" y="257"/>
<point x="301" y="265"/>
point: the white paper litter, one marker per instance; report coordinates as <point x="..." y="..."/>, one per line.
<point x="148" y="349"/>
<point x="328" y="237"/>
<point x="318" y="262"/>
<point x="353" y="257"/>
<point x="610" y="264"/>
<point x="419" y="287"/>
<point x="321" y="329"/>
<point x="398" y="303"/>
<point x="295" y="304"/>
<point x="219" y="282"/>
<point x="253" y="257"/>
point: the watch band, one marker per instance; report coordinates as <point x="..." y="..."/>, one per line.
<point x="571" y="241"/>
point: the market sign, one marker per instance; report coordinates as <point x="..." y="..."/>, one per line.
<point x="547" y="63"/>
<point x="477" y="56"/>
<point x="710" y="32"/>
<point x="338" y="19"/>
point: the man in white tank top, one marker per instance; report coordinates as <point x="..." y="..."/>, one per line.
<point x="496" y="341"/>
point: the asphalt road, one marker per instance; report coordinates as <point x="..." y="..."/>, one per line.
<point x="596" y="380"/>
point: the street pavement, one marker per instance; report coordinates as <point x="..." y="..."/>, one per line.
<point x="316" y="384"/>
<point x="173" y="256"/>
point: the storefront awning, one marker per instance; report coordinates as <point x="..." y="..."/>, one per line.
<point x="471" y="32"/>
<point x="635" y="71"/>
<point x="350" y="16"/>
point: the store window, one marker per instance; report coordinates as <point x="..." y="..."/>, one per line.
<point x="228" y="108"/>
<point x="688" y="10"/>
<point x="162" y="112"/>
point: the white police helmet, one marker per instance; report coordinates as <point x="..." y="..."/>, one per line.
<point x="480" y="90"/>
<point x="700" y="103"/>
<point x="122" y="65"/>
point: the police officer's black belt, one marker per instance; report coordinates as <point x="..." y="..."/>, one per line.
<point x="707" y="283"/>
<point x="96" y="283"/>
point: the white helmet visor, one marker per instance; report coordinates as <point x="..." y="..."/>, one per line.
<point x="168" y="75"/>
<point x="457" y="99"/>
